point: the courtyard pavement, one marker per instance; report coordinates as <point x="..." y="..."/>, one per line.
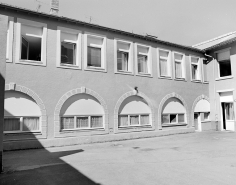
<point x="206" y="158"/>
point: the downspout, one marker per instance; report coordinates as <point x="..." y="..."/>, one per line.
<point x="214" y="89"/>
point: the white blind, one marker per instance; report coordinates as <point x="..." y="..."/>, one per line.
<point x="223" y="55"/>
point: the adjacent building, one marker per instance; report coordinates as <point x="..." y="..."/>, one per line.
<point x="70" y="82"/>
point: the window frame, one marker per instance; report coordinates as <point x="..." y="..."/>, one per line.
<point x="78" y="52"/>
<point x="149" y="62"/>
<point x="84" y="128"/>
<point x="169" y="63"/>
<point x="130" y="60"/>
<point x="204" y="62"/>
<point x="21" y="124"/>
<point x="177" y="119"/>
<point x="200" y="68"/>
<point x="103" y="67"/>
<point x="137" y="125"/>
<point x="40" y="25"/>
<point x="218" y="64"/>
<point x="183" y="65"/>
<point x="9" y="45"/>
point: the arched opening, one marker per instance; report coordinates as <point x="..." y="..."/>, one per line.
<point x="81" y="111"/>
<point x="134" y="111"/>
<point x="201" y="113"/>
<point x="21" y="113"/>
<point x="173" y="113"/>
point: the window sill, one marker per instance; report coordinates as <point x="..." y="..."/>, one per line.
<point x="180" y="79"/>
<point x="98" y="69"/>
<point x="8" y="61"/>
<point x="205" y="121"/>
<point x="134" y="126"/>
<point x="165" y="77"/>
<point x="173" y="125"/>
<point x="81" y="129"/>
<point x="224" y="78"/>
<point x="68" y="66"/>
<point x="31" y="62"/>
<point x="23" y="133"/>
<point x="206" y="82"/>
<point x="144" y="74"/>
<point x="124" y="72"/>
<point x="196" y="81"/>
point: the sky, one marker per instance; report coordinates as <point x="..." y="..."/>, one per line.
<point x="185" y="22"/>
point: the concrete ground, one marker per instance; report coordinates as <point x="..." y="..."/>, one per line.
<point x="206" y="158"/>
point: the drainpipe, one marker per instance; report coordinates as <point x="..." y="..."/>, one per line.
<point x="214" y="89"/>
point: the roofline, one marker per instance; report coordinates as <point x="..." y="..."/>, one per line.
<point x="220" y="44"/>
<point x="216" y="38"/>
<point x="6" y="6"/>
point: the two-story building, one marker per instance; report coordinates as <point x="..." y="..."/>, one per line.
<point x="71" y="82"/>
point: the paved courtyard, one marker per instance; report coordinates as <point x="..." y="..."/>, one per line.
<point x="185" y="159"/>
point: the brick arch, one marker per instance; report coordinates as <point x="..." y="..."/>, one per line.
<point x="168" y="96"/>
<point x="126" y="95"/>
<point x="201" y="97"/>
<point x="36" y="98"/>
<point x="73" y="92"/>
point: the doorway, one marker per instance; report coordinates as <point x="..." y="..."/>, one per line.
<point x="228" y="115"/>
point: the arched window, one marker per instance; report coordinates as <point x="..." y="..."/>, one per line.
<point x="82" y="111"/>
<point x="21" y="113"/>
<point x="173" y="112"/>
<point x="134" y="111"/>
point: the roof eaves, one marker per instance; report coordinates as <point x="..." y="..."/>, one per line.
<point x="6" y="6"/>
<point x="220" y="44"/>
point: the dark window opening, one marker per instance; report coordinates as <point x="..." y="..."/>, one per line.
<point x="122" y="60"/>
<point x="68" y="53"/>
<point x="94" y="57"/>
<point x="31" y="48"/>
<point x="225" y="68"/>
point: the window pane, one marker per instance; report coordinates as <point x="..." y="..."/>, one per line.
<point x="206" y="115"/>
<point x="134" y="120"/>
<point x="94" y="57"/>
<point x="229" y="111"/>
<point x="11" y="124"/>
<point x="178" y="70"/>
<point x="163" y="67"/>
<point x="68" y="53"/>
<point x="30" y="124"/>
<point x="123" y="120"/>
<point x="180" y="118"/>
<point x="82" y="122"/>
<point x="172" y="118"/>
<point x="178" y="56"/>
<point x="24" y="49"/>
<point x="67" y="123"/>
<point x="96" y="121"/>
<point x="122" y="60"/>
<point x="163" y="53"/>
<point x="225" y="68"/>
<point x="165" y="119"/>
<point x="144" y="120"/>
<point x="142" y="64"/>
<point x="194" y="60"/>
<point x="194" y="72"/>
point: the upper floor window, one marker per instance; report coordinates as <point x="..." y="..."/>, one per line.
<point x="9" y="40"/>
<point x="205" y="76"/>
<point x="195" y="68"/>
<point x="95" y="52"/>
<point x="143" y="60"/>
<point x="123" y="56"/>
<point x="68" y="48"/>
<point x="31" y="42"/>
<point x="164" y="63"/>
<point x="224" y="65"/>
<point x="179" y="65"/>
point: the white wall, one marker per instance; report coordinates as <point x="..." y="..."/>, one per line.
<point x="134" y="105"/>
<point x="81" y="104"/>
<point x="19" y="104"/>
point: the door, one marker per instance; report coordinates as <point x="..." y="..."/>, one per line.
<point x="228" y="116"/>
<point x="196" y="115"/>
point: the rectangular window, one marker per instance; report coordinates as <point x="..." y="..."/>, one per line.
<point x="224" y="63"/>
<point x="21" y="124"/>
<point x="81" y="122"/>
<point x="173" y="118"/>
<point x="164" y="63"/>
<point x="143" y="60"/>
<point x="95" y="52"/>
<point x="206" y="116"/>
<point x="195" y="68"/>
<point x="179" y="66"/>
<point x="133" y="120"/>
<point x="205" y="76"/>
<point x="31" y="42"/>
<point x="123" y="56"/>
<point x="68" y="48"/>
